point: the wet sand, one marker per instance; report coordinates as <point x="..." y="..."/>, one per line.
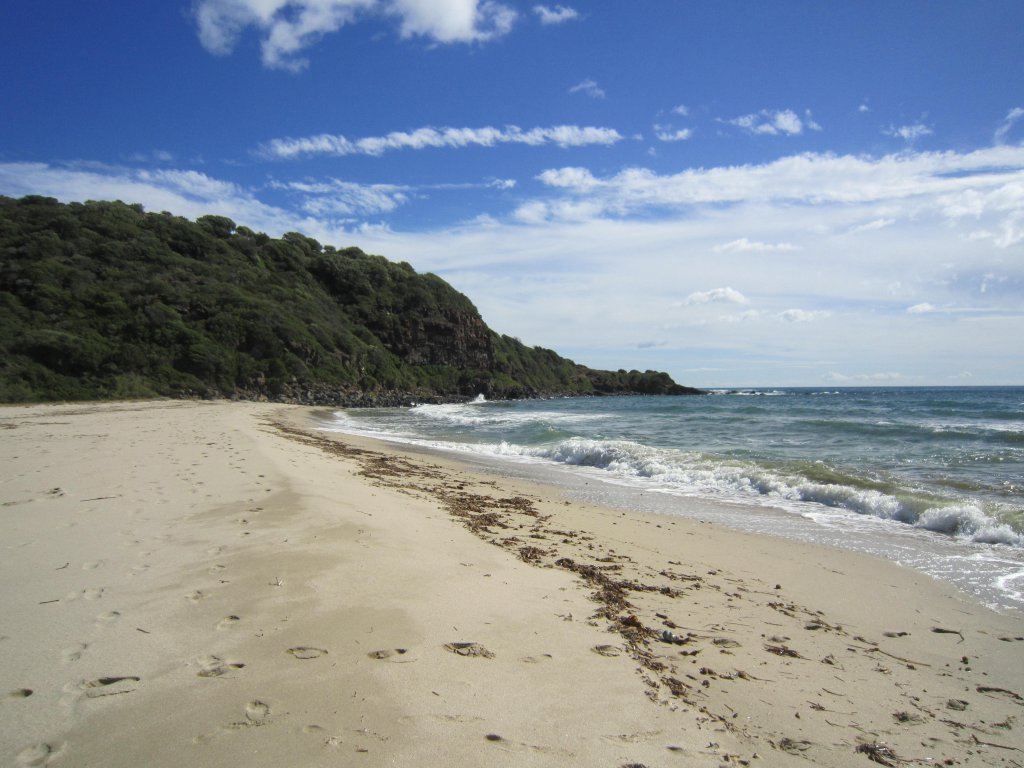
<point x="217" y="583"/>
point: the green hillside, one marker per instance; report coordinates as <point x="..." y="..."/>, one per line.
<point x="102" y="300"/>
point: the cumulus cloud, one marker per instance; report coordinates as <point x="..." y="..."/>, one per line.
<point x="744" y="245"/>
<point x="908" y="132"/>
<point x="681" y="110"/>
<point x="557" y="15"/>
<point x="725" y="295"/>
<point x="589" y="88"/>
<point x="287" y="27"/>
<point x="1012" y="117"/>
<point x="424" y="138"/>
<point x="770" y="123"/>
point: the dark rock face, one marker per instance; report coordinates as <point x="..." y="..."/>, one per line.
<point x="456" y="338"/>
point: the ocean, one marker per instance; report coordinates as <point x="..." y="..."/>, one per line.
<point x="932" y="478"/>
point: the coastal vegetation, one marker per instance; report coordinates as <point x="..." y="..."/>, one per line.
<point x="103" y="300"/>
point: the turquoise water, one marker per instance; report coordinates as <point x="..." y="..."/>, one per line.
<point x="931" y="477"/>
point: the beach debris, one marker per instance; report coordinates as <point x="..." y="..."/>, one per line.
<point x="896" y="634"/>
<point x="673" y="639"/>
<point x="20" y="693"/>
<point x="531" y="554"/>
<point x="493" y="737"/>
<point x="304" y="652"/>
<point x="956" y="704"/>
<point x="606" y="650"/>
<point x="943" y="631"/>
<point x="991" y="744"/>
<point x="906" y="717"/>
<point x="783" y="650"/>
<point x="989" y="689"/>
<point x="878" y="753"/>
<point x="469" y="649"/>
<point x="793" y="746"/>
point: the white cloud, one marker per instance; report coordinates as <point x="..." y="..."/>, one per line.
<point x="802" y="315"/>
<point x="985" y="182"/>
<point x="870" y="226"/>
<point x="716" y="296"/>
<point x="557" y="15"/>
<point x="908" y="132"/>
<point x="1012" y="117"/>
<point x="287" y="27"/>
<point x="427" y="137"/>
<point x="770" y="123"/>
<point x="680" y="135"/>
<point x="454" y="21"/>
<point x="680" y="110"/>
<point x="589" y="88"/>
<point x="334" y="197"/>
<point x="873" y="377"/>
<point x="579" y="179"/>
<point x="920" y="309"/>
<point x="863" y="108"/>
<point x="743" y="244"/>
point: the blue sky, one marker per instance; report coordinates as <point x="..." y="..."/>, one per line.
<point x="740" y="193"/>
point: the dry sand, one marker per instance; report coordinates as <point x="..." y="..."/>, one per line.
<point x="217" y="584"/>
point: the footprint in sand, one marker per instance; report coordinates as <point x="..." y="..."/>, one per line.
<point x="304" y="652"/>
<point x="73" y="652"/>
<point x="215" y="569"/>
<point x="92" y="593"/>
<point x="537" y="659"/>
<point x="38" y="754"/>
<point x="108" y="686"/>
<point x="195" y="595"/>
<point x="214" y="666"/>
<point x="387" y="653"/>
<point x="256" y="712"/>
<point x="469" y="649"/>
<point x="108" y="617"/>
<point x="606" y="650"/>
<point x="228" y="621"/>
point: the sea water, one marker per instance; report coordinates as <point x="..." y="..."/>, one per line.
<point x="932" y="478"/>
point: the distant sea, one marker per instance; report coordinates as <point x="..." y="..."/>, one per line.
<point x="932" y="478"/>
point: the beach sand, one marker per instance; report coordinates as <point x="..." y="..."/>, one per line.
<point x="218" y="584"/>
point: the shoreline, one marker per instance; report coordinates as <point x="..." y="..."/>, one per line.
<point x="216" y="581"/>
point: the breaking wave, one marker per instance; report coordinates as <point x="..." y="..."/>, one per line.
<point x="694" y="474"/>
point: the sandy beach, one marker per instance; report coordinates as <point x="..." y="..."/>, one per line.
<point x="219" y="584"/>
